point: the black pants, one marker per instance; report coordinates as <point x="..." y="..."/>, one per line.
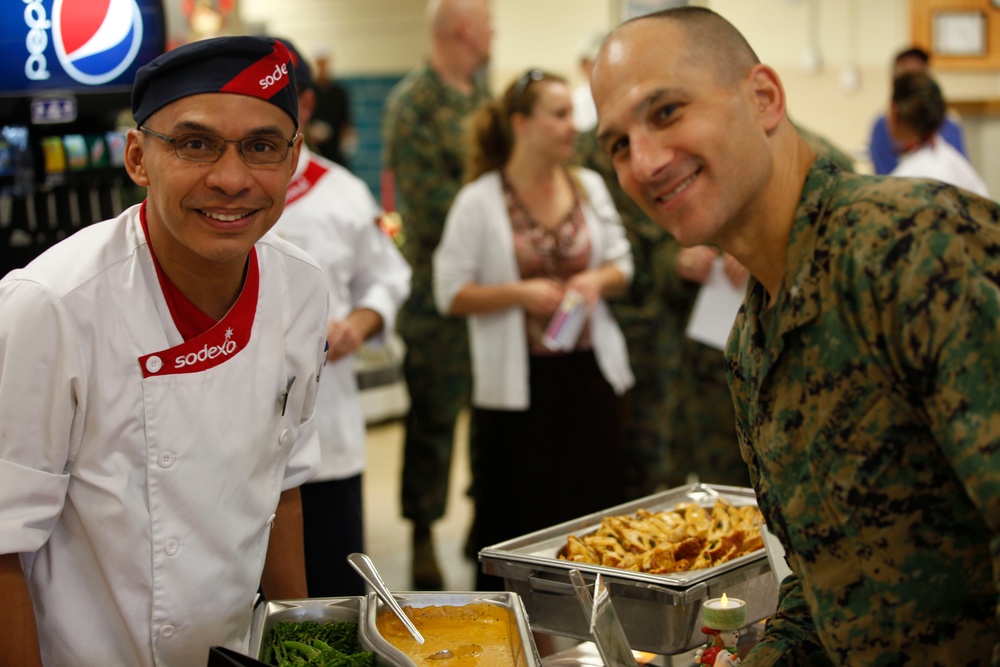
<point x="333" y="525"/>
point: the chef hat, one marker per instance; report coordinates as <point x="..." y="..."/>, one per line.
<point x="254" y="66"/>
<point x="303" y="73"/>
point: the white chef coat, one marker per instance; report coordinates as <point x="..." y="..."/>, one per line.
<point x="331" y="214"/>
<point x="941" y="161"/>
<point x="139" y="474"/>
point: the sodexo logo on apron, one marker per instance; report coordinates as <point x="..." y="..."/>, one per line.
<point x="95" y="41"/>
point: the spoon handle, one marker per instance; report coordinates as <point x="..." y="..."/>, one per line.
<point x="366" y="568"/>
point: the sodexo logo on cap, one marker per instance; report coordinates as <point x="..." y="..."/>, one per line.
<point x="95" y="40"/>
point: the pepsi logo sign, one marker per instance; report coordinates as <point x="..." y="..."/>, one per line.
<point x="94" y="41"/>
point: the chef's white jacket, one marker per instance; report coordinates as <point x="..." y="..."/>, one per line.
<point x="477" y="247"/>
<point x="139" y="474"/>
<point x="331" y="214"/>
<point x="941" y="161"/>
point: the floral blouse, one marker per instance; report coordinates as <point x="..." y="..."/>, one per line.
<point x="557" y="254"/>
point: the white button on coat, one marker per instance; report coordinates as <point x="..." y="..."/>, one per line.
<point x="154" y="364"/>
<point x="167" y="459"/>
<point x="171" y="547"/>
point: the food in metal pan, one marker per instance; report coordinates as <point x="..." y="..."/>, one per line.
<point x="330" y="644"/>
<point x="687" y="537"/>
<point x="472" y="635"/>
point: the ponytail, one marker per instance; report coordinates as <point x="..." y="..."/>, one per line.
<point x="490" y="138"/>
<point x="489" y="141"/>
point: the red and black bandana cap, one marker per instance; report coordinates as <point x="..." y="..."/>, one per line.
<point x="254" y="66"/>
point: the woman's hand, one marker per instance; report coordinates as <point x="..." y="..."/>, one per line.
<point x="589" y="284"/>
<point x="541" y="296"/>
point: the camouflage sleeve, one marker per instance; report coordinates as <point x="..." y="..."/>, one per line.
<point x="789" y="637"/>
<point x="946" y="330"/>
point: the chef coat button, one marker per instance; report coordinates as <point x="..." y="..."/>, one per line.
<point x="154" y="364"/>
<point x="167" y="459"/>
<point x="171" y="546"/>
<point x="167" y="631"/>
<point x="284" y="437"/>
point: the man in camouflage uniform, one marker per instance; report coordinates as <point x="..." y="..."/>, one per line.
<point x="864" y="363"/>
<point x="424" y="140"/>
<point x="699" y="405"/>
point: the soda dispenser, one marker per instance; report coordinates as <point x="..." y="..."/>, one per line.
<point x="65" y="96"/>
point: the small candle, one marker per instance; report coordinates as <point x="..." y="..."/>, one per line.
<point x="724" y="613"/>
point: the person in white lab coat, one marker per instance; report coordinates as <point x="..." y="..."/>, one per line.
<point x="915" y="119"/>
<point x="158" y="375"/>
<point x="331" y="214"/>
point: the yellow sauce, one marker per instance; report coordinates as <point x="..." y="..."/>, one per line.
<point x="477" y="634"/>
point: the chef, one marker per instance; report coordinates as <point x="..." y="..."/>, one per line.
<point x="331" y="214"/>
<point x="158" y="374"/>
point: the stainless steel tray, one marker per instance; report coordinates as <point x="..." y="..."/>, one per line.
<point x="660" y="613"/>
<point x="321" y="610"/>
<point x="525" y="652"/>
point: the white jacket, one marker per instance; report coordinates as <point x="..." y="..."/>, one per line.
<point x="139" y="473"/>
<point x="331" y="214"/>
<point x="941" y="161"/>
<point x="477" y="247"/>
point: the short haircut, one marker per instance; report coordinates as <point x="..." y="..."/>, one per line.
<point x="919" y="103"/>
<point x="711" y="39"/>
<point x="914" y="52"/>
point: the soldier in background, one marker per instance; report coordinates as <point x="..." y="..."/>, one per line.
<point x="863" y="362"/>
<point x="424" y="140"/>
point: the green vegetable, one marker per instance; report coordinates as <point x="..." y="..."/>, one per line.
<point x="312" y="644"/>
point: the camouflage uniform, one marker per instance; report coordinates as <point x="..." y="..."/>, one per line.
<point x="424" y="139"/>
<point x="869" y="416"/>
<point x="704" y="438"/>
<point x="700" y="409"/>
<point x="644" y="322"/>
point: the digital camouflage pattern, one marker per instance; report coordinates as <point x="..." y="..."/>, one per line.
<point x="869" y="415"/>
<point x="424" y="139"/>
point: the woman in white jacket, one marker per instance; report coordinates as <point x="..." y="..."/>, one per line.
<point x="548" y="424"/>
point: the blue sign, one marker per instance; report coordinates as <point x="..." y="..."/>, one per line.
<point x="77" y="45"/>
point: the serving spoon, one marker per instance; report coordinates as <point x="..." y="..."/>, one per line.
<point x="366" y="568"/>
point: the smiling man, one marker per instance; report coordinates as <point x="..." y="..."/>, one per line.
<point x="863" y="363"/>
<point x="158" y="374"/>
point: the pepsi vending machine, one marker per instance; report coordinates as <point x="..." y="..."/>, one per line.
<point x="65" y="92"/>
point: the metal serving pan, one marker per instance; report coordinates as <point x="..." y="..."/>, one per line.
<point x="524" y="649"/>
<point x="321" y="610"/>
<point x="660" y="613"/>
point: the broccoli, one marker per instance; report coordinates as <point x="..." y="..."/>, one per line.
<point x="313" y="644"/>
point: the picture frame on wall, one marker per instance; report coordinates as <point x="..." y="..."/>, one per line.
<point x="959" y="33"/>
<point x="630" y="9"/>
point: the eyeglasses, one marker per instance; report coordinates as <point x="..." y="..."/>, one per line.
<point x="522" y="84"/>
<point x="210" y="147"/>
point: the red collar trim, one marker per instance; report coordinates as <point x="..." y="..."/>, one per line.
<point x="305" y="181"/>
<point x="216" y="343"/>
